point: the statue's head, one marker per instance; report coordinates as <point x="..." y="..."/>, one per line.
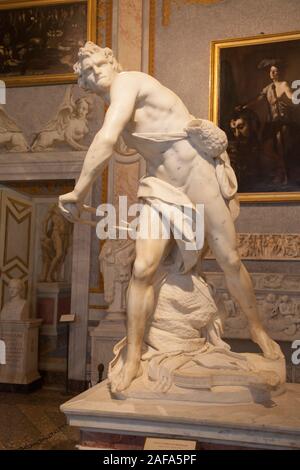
<point x="16" y="288"/>
<point x="96" y="67"/>
<point x="83" y="106"/>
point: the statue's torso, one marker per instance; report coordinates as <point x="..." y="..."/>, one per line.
<point x="159" y="111"/>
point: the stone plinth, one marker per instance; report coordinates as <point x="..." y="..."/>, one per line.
<point x="274" y="425"/>
<point x="53" y="300"/>
<point x="21" y="350"/>
<point x="103" y="338"/>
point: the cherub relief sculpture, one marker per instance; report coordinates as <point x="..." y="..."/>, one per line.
<point x="69" y="126"/>
<point x="281" y="315"/>
<point x="55" y="242"/>
<point x="11" y="136"/>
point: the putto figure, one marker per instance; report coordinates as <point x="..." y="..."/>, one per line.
<point x="11" y="136"/>
<point x="186" y="162"/>
<point x="69" y="126"/>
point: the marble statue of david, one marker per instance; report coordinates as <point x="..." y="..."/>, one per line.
<point x="186" y="159"/>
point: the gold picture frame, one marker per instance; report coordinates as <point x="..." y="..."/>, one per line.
<point x="233" y="58"/>
<point x="49" y="78"/>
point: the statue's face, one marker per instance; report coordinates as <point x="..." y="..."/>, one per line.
<point x="14" y="289"/>
<point x="97" y="72"/>
<point x="240" y="128"/>
<point x="82" y="109"/>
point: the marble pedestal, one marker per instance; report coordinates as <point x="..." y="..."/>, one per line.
<point x="53" y="300"/>
<point x="21" y="350"/>
<point x="104" y="422"/>
<point x="103" y="338"/>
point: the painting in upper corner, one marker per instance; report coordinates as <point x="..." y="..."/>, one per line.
<point x="255" y="99"/>
<point x="39" y="40"/>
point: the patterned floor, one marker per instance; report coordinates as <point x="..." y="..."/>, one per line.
<point x="33" y="421"/>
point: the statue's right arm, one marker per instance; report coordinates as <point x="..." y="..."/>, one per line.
<point x="123" y="98"/>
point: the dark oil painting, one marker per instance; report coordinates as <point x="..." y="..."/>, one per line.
<point x="42" y="39"/>
<point x="258" y="111"/>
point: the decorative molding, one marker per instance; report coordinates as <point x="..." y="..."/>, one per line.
<point x="267" y="246"/>
<point x="40" y="166"/>
<point x="42" y="188"/>
<point x="280" y="282"/>
<point x="16" y="243"/>
<point x="19" y="218"/>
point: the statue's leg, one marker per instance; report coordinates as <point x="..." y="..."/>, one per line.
<point x="140" y="304"/>
<point x="221" y="236"/>
<point x="46" y="266"/>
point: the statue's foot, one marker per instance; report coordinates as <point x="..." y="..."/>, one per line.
<point x="131" y="371"/>
<point x="270" y="349"/>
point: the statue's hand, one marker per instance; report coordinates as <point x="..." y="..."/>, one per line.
<point x="70" y="206"/>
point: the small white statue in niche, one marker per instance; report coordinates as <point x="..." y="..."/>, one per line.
<point x="16" y="309"/>
<point x="11" y="136"/>
<point x="69" y="126"/>
<point x="55" y="242"/>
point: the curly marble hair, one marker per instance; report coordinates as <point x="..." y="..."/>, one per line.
<point x="90" y="49"/>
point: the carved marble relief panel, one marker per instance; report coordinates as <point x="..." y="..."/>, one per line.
<point x="268" y="246"/>
<point x="278" y="298"/>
